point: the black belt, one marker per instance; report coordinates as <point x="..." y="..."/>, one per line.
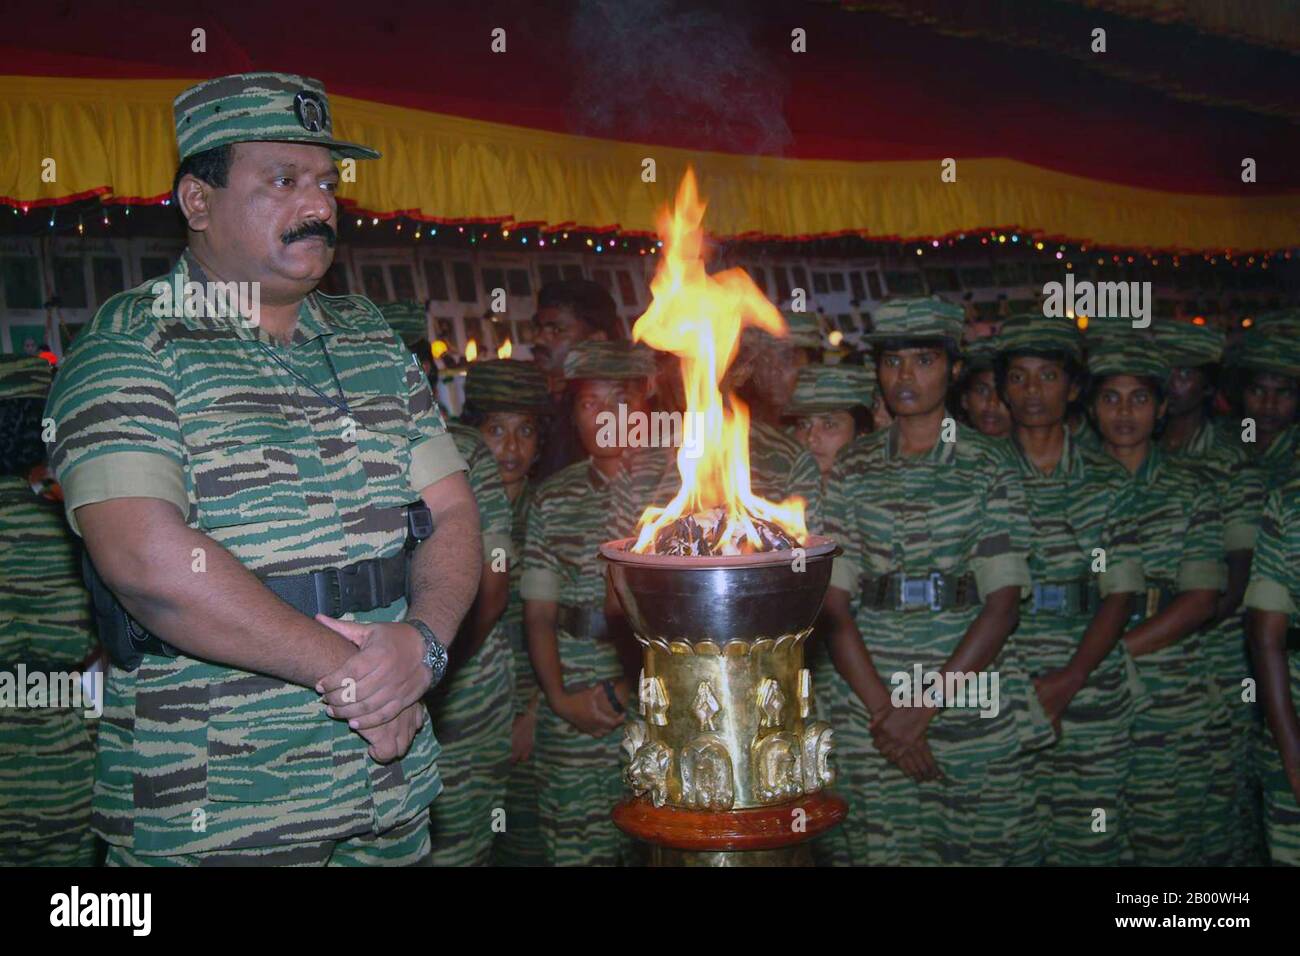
<point x="1149" y="603"/>
<point x="1293" y="639"/>
<point x="1065" y="597"/>
<point x="362" y="586"/>
<point x="584" y="620"/>
<point x="936" y="591"/>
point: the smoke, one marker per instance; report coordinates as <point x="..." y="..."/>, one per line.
<point x="647" y="66"/>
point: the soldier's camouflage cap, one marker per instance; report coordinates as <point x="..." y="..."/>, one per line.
<point x="508" y="385"/>
<point x="803" y="330"/>
<point x="1272" y="344"/>
<point x="598" y="359"/>
<point x="917" y="318"/>
<point x="258" y="107"/>
<point x="406" y="316"/>
<point x="25" y="377"/>
<point x="1117" y="356"/>
<point x="980" y="355"/>
<point x="1035" y="332"/>
<point x="829" y="388"/>
<point x="1187" y="345"/>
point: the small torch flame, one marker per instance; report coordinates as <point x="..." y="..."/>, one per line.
<point x="504" y="351"/>
<point x="698" y="317"/>
<point x="471" y="351"/>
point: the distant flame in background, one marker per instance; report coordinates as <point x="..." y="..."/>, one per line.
<point x="505" y="350"/>
<point x="699" y="317"/>
<point x="471" y="351"/>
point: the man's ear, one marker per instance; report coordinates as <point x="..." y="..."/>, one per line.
<point x="194" y="197"/>
<point x="955" y="372"/>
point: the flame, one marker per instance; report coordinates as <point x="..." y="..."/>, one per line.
<point x="505" y="350"/>
<point x="698" y="317"/>
<point x="438" y="349"/>
<point x="471" y="351"/>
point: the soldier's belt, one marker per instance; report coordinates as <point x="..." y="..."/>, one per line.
<point x="362" y="586"/>
<point x="1152" y="601"/>
<point x="1064" y="597"/>
<point x="935" y="591"/>
<point x="584" y="620"/>
<point x="1293" y="639"/>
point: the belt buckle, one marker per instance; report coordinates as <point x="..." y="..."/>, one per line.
<point x="1153" y="601"/>
<point x="350" y="583"/>
<point x="1049" y="597"/>
<point x="914" y="592"/>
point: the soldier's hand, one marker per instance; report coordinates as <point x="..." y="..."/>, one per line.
<point x="918" y="762"/>
<point x="381" y="680"/>
<point x="390" y="741"/>
<point x="1055" y="691"/>
<point x="521" y="736"/>
<point x="589" y="711"/>
<point x="896" y="729"/>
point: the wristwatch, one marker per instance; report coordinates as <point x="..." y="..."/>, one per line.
<point x="435" y="655"/>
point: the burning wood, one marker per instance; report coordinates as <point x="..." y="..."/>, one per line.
<point x="705" y="534"/>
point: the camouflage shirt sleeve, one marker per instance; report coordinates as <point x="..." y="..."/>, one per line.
<point x="836" y="518"/>
<point x="494" y="508"/>
<point x="541" y="578"/>
<point x="116" y="432"/>
<point x="1243" y="502"/>
<point x="433" y="453"/>
<point x="1001" y="553"/>
<point x="1273" y="572"/>
<point x="1201" y="565"/>
<point x="1123" y="571"/>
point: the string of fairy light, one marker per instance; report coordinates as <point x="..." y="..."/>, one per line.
<point x="101" y="219"/>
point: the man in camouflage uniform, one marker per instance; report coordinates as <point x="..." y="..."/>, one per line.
<point x="46" y="753"/>
<point x="1174" y="518"/>
<point x="930" y="515"/>
<point x="1273" y="605"/>
<point x="236" y="471"/>
<point x="506" y="402"/>
<point x="1069" y="634"/>
<point x="579" y="667"/>
<point x="473" y="707"/>
<point x="1194" y="353"/>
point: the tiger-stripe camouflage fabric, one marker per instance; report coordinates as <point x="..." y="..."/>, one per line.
<point x="1179" y="533"/>
<point x="958" y="509"/>
<point x="521" y="843"/>
<point x="1275" y="586"/>
<point x="47" y="753"/>
<point x="1241" y="490"/>
<point x="473" y="710"/>
<point x="579" y="776"/>
<point x="1072" y="512"/>
<point x="196" y="757"/>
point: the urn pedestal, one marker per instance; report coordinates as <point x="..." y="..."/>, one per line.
<point x="727" y="764"/>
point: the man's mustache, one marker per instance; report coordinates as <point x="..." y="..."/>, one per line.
<point x="309" y="229"/>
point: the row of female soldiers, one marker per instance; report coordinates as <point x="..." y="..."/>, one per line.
<point x="1083" y="528"/>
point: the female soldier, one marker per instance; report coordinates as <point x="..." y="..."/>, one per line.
<point x="1178" y="533"/>
<point x="509" y="403"/>
<point x="1070" y="627"/>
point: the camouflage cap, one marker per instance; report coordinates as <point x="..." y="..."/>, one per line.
<point x="1115" y="356"/>
<point x="828" y="388"/>
<point x="25" y="377"/>
<point x="980" y="355"/>
<point x="1188" y="345"/>
<point x="258" y="107"/>
<point x="508" y="385"/>
<point x="406" y="316"/>
<point x="1035" y="332"/>
<point x="594" y="358"/>
<point x="803" y="330"/>
<point x="917" y="318"/>
<point x="1272" y="345"/>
